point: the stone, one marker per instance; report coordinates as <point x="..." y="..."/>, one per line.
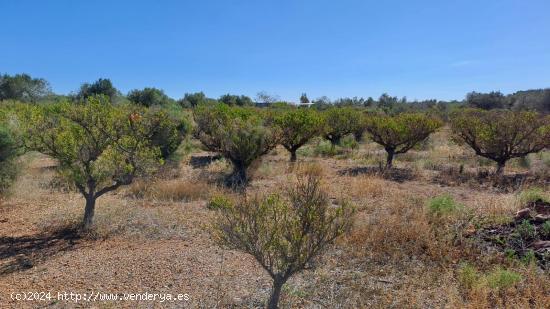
<point x="540" y="218"/>
<point x="541" y="244"/>
<point x="523" y="214"/>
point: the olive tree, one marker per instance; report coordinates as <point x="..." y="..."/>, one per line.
<point x="501" y="135"/>
<point x="99" y="147"/>
<point x="241" y="135"/>
<point x="284" y="235"/>
<point x="23" y="87"/>
<point x="149" y="97"/>
<point x="398" y="134"/>
<point x="297" y="127"/>
<point x="339" y="122"/>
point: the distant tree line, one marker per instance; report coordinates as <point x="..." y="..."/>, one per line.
<point x="23" y="87"/>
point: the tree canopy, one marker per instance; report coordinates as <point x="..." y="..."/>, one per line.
<point x="241" y="135"/>
<point x="236" y="100"/>
<point x="501" y="135"/>
<point x="102" y="86"/>
<point x="400" y="133"/>
<point x="23" y="87"/>
<point x="99" y="147"/>
<point x="297" y="127"/>
<point x="149" y="97"/>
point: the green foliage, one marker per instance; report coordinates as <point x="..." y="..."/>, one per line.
<point x="526" y="230"/>
<point x="297" y="127"/>
<point x="501" y="279"/>
<point x="241" y="135"/>
<point x="398" y="134"/>
<point x="468" y="276"/>
<point x="532" y="195"/>
<point x="219" y="202"/>
<point x="149" y="97"/>
<point x="340" y="122"/>
<point x="23" y="87"/>
<point x="498" y="279"/>
<point x="8" y="151"/>
<point x="443" y="205"/>
<point x="102" y="86"/>
<point x="545" y="230"/>
<point x="284" y="235"/>
<point x="235" y="100"/>
<point x="486" y="101"/>
<point x="304" y="98"/>
<point x="167" y="131"/>
<point x="98" y="146"/>
<point x="191" y="100"/>
<point x="500" y="135"/>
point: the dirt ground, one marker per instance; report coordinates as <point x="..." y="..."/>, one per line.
<point x="153" y="237"/>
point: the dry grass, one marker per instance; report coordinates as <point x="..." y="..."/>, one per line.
<point x="173" y="190"/>
<point x="397" y="255"/>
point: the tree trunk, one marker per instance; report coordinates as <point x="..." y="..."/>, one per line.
<point x="89" y="212"/>
<point x="500" y="168"/>
<point x="389" y="158"/>
<point x="275" y="294"/>
<point x="238" y="177"/>
<point x="293" y="155"/>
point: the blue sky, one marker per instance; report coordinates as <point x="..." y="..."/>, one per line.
<point x="419" y="49"/>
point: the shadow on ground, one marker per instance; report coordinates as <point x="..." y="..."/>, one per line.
<point x="485" y="179"/>
<point x="19" y="253"/>
<point x="203" y="160"/>
<point x="393" y="174"/>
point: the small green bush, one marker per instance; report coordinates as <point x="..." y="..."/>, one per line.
<point x="533" y="194"/>
<point x="468" y="276"/>
<point x="501" y="279"/>
<point x="443" y="205"/>
<point x="545" y="229"/>
<point x="219" y="202"/>
<point x="526" y="230"/>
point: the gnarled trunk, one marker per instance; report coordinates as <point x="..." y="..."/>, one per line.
<point x="275" y="293"/>
<point x="389" y="157"/>
<point x="89" y="212"/>
<point x="293" y="155"/>
<point x="500" y="167"/>
<point x="238" y="177"/>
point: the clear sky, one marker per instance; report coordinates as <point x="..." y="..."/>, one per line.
<point x="419" y="49"/>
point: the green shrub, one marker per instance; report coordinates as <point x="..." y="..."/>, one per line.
<point x="545" y="229"/>
<point x="218" y="202"/>
<point x="284" y="234"/>
<point x="532" y="195"/>
<point x="468" y="276"/>
<point x="526" y="230"/>
<point x="501" y="279"/>
<point x="443" y="205"/>
<point x="8" y="152"/>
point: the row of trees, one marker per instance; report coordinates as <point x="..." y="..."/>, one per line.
<point x="23" y="87"/>
<point x="243" y="135"/>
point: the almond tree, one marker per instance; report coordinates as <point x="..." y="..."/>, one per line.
<point x="341" y="121"/>
<point x="284" y="235"/>
<point x="241" y="135"/>
<point x="297" y="127"/>
<point x="398" y="134"/>
<point x="501" y="135"/>
<point x="99" y="147"/>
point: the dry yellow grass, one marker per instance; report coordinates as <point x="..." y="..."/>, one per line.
<point x="152" y="235"/>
